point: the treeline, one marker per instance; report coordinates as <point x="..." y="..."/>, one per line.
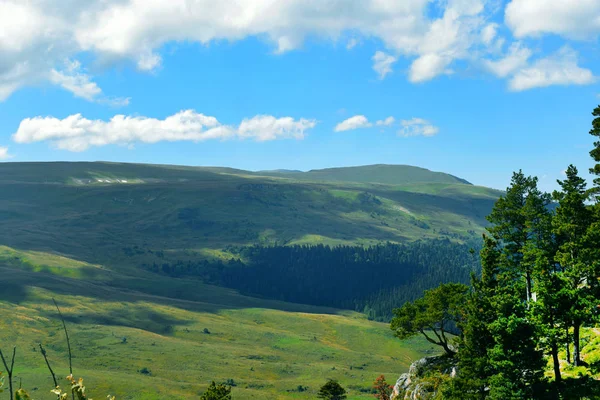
<point x="371" y="279"/>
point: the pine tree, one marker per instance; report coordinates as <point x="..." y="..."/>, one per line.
<point x="595" y="153"/>
<point x="509" y="226"/>
<point x="550" y="301"/>
<point x="474" y="369"/>
<point x="571" y="226"/>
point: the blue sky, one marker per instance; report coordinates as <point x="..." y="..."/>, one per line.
<point x="470" y="87"/>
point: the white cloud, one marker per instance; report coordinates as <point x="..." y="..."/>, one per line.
<point x="577" y="19"/>
<point x="389" y="121"/>
<point x="356" y="122"/>
<point x="76" y="133"/>
<point x="427" y="67"/>
<point x="36" y="36"/>
<point x="351" y="43"/>
<point x="488" y="34"/>
<point x="382" y="63"/>
<point x="267" y="127"/>
<point x="417" y="127"/>
<point x="558" y="69"/>
<point x="4" y="155"/>
<point x="516" y="59"/>
<point x="75" y="81"/>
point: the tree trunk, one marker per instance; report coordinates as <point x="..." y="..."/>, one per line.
<point x="448" y="350"/>
<point x="528" y="278"/>
<point x="556" y="362"/>
<point x="576" y="354"/>
<point x="568" y="346"/>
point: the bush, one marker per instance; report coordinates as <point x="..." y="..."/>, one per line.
<point x="217" y="392"/>
<point x="332" y="390"/>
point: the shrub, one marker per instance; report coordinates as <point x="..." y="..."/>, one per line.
<point x="217" y="392"/>
<point x="332" y="390"/>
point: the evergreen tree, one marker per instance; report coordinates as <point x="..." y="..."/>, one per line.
<point x="500" y="358"/>
<point x="474" y="369"/>
<point x="550" y="301"/>
<point x="217" y="392"/>
<point x="509" y="226"/>
<point x="332" y="390"/>
<point x="595" y="153"/>
<point x="571" y="225"/>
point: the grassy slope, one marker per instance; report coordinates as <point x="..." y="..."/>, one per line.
<point x="379" y="173"/>
<point x="267" y="347"/>
<point x="63" y="207"/>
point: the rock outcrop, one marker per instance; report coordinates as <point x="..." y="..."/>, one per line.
<point x="424" y="377"/>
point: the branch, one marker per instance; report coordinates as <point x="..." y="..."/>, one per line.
<point x="68" y="342"/>
<point x="66" y="334"/>
<point x="430" y="340"/>
<point x="9" y="370"/>
<point x="48" y="364"/>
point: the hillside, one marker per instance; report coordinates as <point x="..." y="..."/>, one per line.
<point x="380" y="173"/>
<point x="131" y="337"/>
<point x="94" y="211"/>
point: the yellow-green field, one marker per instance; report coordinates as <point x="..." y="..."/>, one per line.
<point x="120" y="328"/>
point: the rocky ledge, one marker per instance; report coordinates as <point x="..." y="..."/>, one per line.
<point x="423" y="379"/>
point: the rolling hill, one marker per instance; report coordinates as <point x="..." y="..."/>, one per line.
<point x="82" y="232"/>
<point x="94" y="210"/>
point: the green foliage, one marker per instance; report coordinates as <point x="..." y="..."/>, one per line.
<point x="332" y="390"/>
<point x="437" y="312"/>
<point x="499" y="357"/>
<point x="595" y="153"/>
<point x="217" y="392"/>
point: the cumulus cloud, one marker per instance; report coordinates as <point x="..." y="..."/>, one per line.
<point x="36" y="36"/>
<point x="267" y="127"/>
<point x="516" y="58"/>
<point x="389" y="121"/>
<point x="488" y="34"/>
<point x="355" y="122"/>
<point x="573" y="19"/>
<point x="417" y="127"/>
<point x="560" y="68"/>
<point x="428" y="67"/>
<point x="76" y="133"/>
<point x="4" y="155"/>
<point x="382" y="63"/>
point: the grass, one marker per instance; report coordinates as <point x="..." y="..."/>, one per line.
<point x="65" y="234"/>
<point x="268" y="348"/>
<point x="174" y="209"/>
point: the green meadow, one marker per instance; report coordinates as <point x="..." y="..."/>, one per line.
<point x="139" y="345"/>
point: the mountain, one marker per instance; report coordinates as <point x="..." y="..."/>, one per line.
<point x="85" y="206"/>
<point x="379" y="173"/>
<point x="94" y="210"/>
